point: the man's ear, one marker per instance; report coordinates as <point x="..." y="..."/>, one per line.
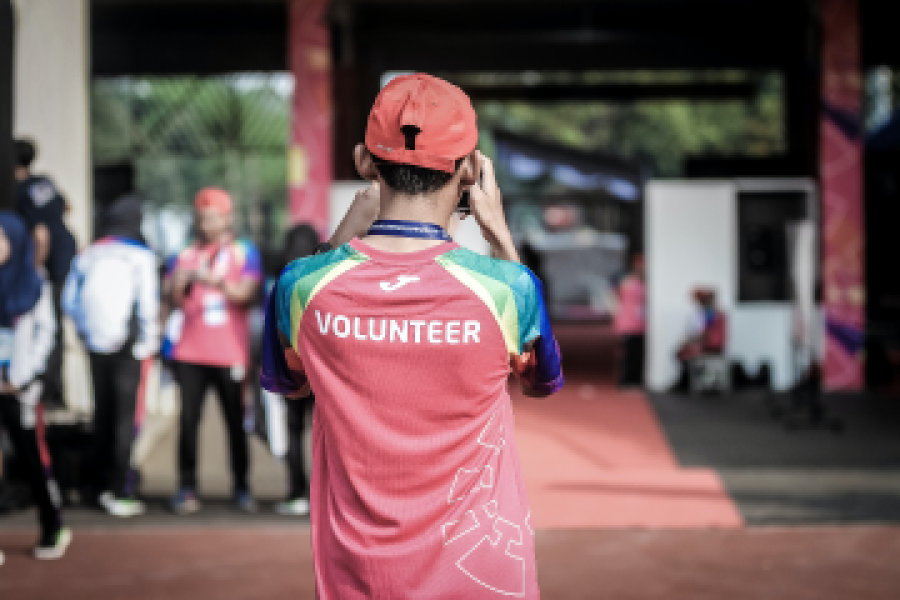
<point x="365" y="166"/>
<point x="470" y="169"/>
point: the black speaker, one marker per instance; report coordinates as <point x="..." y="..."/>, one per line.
<point x="763" y="264"/>
<point x="7" y="47"/>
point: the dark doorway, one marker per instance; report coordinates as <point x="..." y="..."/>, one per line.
<point x="7" y="44"/>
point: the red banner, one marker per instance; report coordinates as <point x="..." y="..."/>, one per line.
<point x="309" y="165"/>
<point x="840" y="169"/>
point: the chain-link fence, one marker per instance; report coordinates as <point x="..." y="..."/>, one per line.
<point x="181" y="134"/>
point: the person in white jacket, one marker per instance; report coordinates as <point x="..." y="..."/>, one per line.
<point x="112" y="295"/>
<point x="27" y="330"/>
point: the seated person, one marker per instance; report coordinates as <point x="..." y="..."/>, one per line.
<point x="707" y="335"/>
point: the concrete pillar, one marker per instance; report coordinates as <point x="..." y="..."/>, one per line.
<point x="51" y="98"/>
<point x="51" y="107"/>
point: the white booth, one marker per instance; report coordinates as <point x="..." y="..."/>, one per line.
<point x="731" y="236"/>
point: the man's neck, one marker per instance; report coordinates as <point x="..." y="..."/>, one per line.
<point x="22" y="173"/>
<point x="218" y="240"/>
<point x="431" y="209"/>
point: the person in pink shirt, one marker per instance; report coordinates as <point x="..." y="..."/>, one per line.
<point x="214" y="281"/>
<point x="630" y="324"/>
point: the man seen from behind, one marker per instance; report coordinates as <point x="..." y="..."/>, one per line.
<point x="408" y="340"/>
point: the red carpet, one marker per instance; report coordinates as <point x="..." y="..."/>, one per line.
<point x="595" y="457"/>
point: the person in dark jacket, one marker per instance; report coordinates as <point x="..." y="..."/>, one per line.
<point x="42" y="207"/>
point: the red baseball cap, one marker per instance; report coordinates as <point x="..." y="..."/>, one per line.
<point x="214" y="198"/>
<point x="444" y="122"/>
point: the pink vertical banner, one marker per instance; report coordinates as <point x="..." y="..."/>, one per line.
<point x="840" y="170"/>
<point x="309" y="161"/>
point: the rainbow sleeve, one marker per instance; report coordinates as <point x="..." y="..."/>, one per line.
<point x="298" y="284"/>
<point x="543" y="374"/>
<point x="275" y="373"/>
<point x="516" y="299"/>
<point x="250" y="259"/>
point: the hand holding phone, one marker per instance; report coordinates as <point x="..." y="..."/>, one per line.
<point x="465" y="200"/>
<point x="486" y="206"/>
<point x="465" y="203"/>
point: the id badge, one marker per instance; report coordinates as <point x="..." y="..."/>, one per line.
<point x="215" y="309"/>
<point x="6" y="346"/>
<point x="6" y="352"/>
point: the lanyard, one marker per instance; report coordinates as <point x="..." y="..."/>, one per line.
<point x="412" y="229"/>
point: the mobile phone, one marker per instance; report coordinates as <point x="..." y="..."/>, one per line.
<point x="464" y="205"/>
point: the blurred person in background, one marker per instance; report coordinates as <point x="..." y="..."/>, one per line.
<point x="214" y="281"/>
<point x="171" y="317"/>
<point x="630" y="324"/>
<point x="27" y="329"/>
<point x="301" y="241"/>
<point x="533" y="258"/>
<point x="40" y="204"/>
<point x="707" y="333"/>
<point x="112" y="295"/>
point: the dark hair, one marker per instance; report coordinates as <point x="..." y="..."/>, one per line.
<point x="25" y="152"/>
<point x="300" y="241"/>
<point x="410" y="179"/>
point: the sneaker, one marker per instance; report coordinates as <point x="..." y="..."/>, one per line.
<point x="298" y="507"/>
<point x="54" y="546"/>
<point x="121" y="507"/>
<point x="245" y="502"/>
<point x="184" y="503"/>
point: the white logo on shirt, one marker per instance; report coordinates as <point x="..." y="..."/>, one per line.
<point x="495" y="561"/>
<point x="393" y="330"/>
<point x="401" y="281"/>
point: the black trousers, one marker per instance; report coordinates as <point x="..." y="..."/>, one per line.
<point x="20" y="424"/>
<point x="116" y="378"/>
<point x="194" y="381"/>
<point x="52" y="376"/>
<point x="631" y="359"/>
<point x="298" y="478"/>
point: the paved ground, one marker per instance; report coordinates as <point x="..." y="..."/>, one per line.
<point x="228" y="564"/>
<point x="782" y="476"/>
<point x="217" y="513"/>
<point x="839" y="493"/>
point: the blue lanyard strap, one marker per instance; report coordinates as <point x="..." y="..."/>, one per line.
<point x="413" y="229"/>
